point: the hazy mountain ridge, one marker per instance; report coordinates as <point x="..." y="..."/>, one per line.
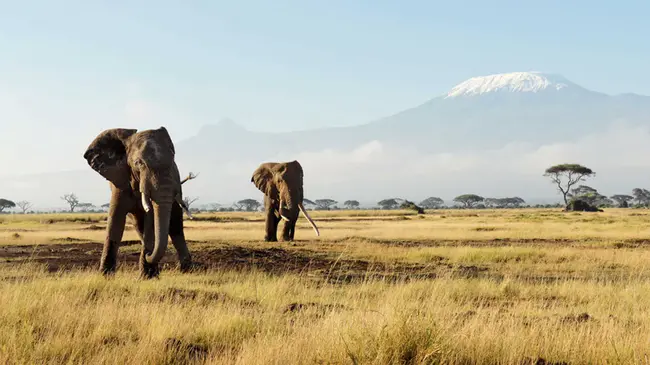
<point x="527" y="112"/>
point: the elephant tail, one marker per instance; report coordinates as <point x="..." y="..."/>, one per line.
<point x="304" y="212"/>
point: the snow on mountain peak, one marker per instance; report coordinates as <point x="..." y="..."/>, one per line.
<point x="509" y="82"/>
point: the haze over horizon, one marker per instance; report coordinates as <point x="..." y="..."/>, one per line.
<point x="380" y="73"/>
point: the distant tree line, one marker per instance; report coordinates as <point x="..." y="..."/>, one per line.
<point x="566" y="177"/>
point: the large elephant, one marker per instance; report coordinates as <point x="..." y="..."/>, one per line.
<point x="145" y="185"/>
<point x="281" y="183"/>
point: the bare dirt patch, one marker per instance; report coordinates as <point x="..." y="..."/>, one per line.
<point x="273" y="260"/>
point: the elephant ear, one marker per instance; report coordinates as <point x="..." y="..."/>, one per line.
<point x="106" y="154"/>
<point x="295" y="165"/>
<point x="167" y="138"/>
<point x="263" y="179"/>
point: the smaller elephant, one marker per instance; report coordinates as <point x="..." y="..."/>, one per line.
<point x="281" y="183"/>
<point x="145" y="185"/>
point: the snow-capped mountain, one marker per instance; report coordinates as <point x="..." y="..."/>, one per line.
<point x="485" y="111"/>
<point x="510" y="82"/>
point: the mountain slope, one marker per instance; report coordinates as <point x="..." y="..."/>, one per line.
<point x="482" y="112"/>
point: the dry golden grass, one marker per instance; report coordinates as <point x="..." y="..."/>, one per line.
<point x="501" y="287"/>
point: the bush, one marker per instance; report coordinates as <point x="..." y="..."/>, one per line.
<point x="412" y="206"/>
<point x="578" y="205"/>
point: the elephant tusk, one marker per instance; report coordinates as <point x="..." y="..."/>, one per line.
<point x="304" y="212"/>
<point x="182" y="204"/>
<point x="146" y="203"/>
<point x="282" y="208"/>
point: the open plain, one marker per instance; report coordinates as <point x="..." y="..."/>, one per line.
<point x="520" y="286"/>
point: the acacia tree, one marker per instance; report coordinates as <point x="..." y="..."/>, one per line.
<point x="589" y="195"/>
<point x="72" y="201"/>
<point x="6" y="204"/>
<point x="86" y="206"/>
<point x="351" y="204"/>
<point x="513" y="202"/>
<point x="432" y="202"/>
<point x="388" y="203"/>
<point x="411" y="206"/>
<point x="469" y="200"/>
<point x="325" y="204"/>
<point x="249" y="205"/>
<point x="642" y="196"/>
<point x="24" y="205"/>
<point x="572" y="173"/>
<point x="622" y="200"/>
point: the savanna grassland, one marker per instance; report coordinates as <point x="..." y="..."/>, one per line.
<point x="377" y="287"/>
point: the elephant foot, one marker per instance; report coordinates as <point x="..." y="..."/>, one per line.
<point x="287" y="238"/>
<point x="107" y="271"/>
<point x="271" y="239"/>
<point x="149" y="271"/>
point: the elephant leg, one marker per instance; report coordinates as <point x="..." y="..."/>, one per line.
<point x="288" y="229"/>
<point x="293" y="230"/>
<point x="177" y="235"/>
<point x="114" y="232"/>
<point x="272" y="221"/>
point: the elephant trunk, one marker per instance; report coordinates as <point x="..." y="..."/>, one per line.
<point x="161" y="216"/>
<point x="287" y="207"/>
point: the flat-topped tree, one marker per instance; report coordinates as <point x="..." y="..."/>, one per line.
<point x="351" y="204"/>
<point x="469" y="200"/>
<point x="411" y="206"/>
<point x="388" y="203"/>
<point x="513" y="202"/>
<point x="589" y="195"/>
<point x="6" y="204"/>
<point x="325" y="204"/>
<point x="85" y="206"/>
<point x="249" y="205"/>
<point x="566" y="175"/>
<point x="432" y="202"/>
<point x="642" y="196"/>
<point x="622" y="200"/>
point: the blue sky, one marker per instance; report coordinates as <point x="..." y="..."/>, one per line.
<point x="74" y="68"/>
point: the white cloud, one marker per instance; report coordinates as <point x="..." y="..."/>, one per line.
<point x="618" y="155"/>
<point x="376" y="170"/>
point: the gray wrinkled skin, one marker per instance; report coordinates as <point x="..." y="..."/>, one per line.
<point x="145" y="185"/>
<point x="282" y="185"/>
